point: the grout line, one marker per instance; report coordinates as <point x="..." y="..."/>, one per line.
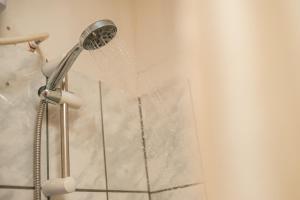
<point x="104" y="190"/>
<point x="128" y="191"/>
<point x="191" y="97"/>
<point x="103" y="140"/>
<point x="191" y="100"/>
<point x="144" y="146"/>
<point x="176" y="188"/>
<point x="112" y="191"/>
<point x="90" y="190"/>
<point x="16" y="187"/>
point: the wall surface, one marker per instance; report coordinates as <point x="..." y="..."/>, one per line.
<point x="241" y="58"/>
<point x="172" y="43"/>
<point x="121" y="146"/>
<point x="65" y="21"/>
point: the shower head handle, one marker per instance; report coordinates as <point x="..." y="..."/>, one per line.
<point x="63" y="67"/>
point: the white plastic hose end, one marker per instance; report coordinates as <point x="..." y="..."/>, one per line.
<point x="59" y="186"/>
<point x="50" y="66"/>
<point x="71" y="99"/>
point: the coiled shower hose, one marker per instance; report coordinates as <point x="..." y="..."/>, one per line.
<point x="37" y="152"/>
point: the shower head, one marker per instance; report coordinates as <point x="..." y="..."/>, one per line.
<point x="93" y="37"/>
<point x="98" y="34"/>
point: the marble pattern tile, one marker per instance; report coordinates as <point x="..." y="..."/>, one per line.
<point x="124" y="149"/>
<point x="18" y="105"/>
<point x="16" y="194"/>
<point x="189" y="193"/>
<point x="168" y="127"/>
<point x="81" y="196"/>
<point x="86" y="151"/>
<point x="171" y="142"/>
<point x="127" y="196"/>
<point x="54" y="142"/>
<point x="12" y="194"/>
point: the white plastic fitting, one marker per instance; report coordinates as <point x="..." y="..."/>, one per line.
<point x="59" y="96"/>
<point x="65" y="96"/>
<point x="58" y="186"/>
<point x="71" y="99"/>
<point x="50" y="66"/>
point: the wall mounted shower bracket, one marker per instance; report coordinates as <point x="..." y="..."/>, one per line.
<point x="59" y="96"/>
<point x="59" y="186"/>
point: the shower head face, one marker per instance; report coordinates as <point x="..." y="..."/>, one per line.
<point x="98" y="34"/>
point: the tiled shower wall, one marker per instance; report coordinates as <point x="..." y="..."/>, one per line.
<point x="121" y="147"/>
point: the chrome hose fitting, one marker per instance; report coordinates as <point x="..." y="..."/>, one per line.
<point x="59" y="96"/>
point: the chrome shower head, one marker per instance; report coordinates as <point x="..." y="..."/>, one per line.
<point x="98" y="34"/>
<point x="93" y="37"/>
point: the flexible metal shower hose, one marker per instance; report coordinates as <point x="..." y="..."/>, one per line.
<point x="37" y="152"/>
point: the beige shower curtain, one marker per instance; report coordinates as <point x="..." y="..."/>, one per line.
<point x="242" y="58"/>
<point x="248" y="101"/>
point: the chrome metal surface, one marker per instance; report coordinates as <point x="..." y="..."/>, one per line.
<point x="98" y="34"/>
<point x="95" y="36"/>
<point x="37" y="151"/>
<point x="63" y="67"/>
<point x="51" y="96"/>
<point x="64" y="131"/>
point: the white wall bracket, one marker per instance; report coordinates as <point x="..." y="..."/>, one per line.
<point x="58" y="186"/>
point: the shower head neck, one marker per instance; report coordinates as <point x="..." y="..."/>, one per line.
<point x="93" y="37"/>
<point x="63" y="67"/>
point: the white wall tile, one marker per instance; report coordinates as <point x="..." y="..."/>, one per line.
<point x="189" y="193"/>
<point x="171" y="142"/>
<point x="127" y="196"/>
<point x="12" y="194"/>
<point x="86" y="151"/>
<point x="124" y="149"/>
<point x="20" y="79"/>
<point x="81" y="196"/>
